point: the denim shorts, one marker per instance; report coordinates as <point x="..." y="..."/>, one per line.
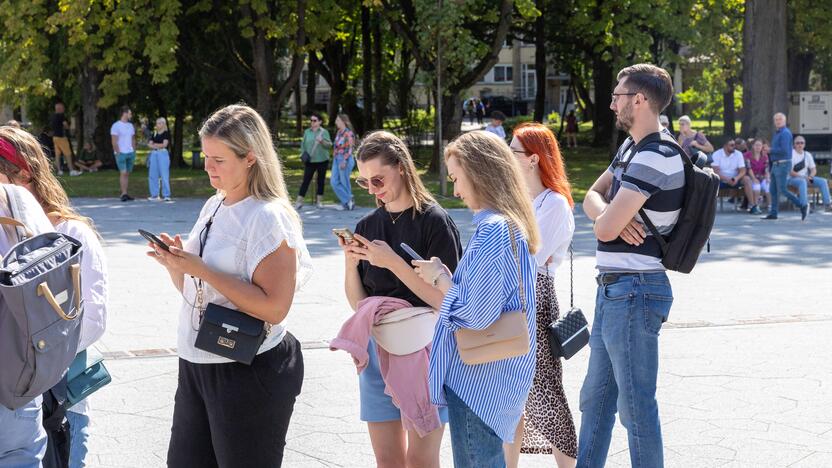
<point x="125" y="161"/>
<point x="376" y="406"/>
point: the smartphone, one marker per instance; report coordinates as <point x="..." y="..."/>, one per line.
<point x="410" y="251"/>
<point x="152" y="238"/>
<point x="347" y="235"/>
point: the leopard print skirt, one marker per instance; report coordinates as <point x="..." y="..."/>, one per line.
<point x="547" y="419"/>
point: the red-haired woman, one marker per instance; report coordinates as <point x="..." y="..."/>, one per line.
<point x="547" y="425"/>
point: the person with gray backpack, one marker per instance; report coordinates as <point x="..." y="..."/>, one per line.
<point x="39" y="353"/>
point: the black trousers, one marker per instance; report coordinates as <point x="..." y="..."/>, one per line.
<point x="234" y="415"/>
<point x="309" y="169"/>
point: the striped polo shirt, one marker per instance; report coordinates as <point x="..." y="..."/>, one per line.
<point x="485" y="284"/>
<point x="658" y="173"/>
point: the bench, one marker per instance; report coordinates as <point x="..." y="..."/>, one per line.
<point x="736" y="194"/>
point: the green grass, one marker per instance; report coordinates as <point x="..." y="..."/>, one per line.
<point x="584" y="165"/>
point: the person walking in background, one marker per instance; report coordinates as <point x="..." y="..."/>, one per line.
<point x="480" y="109"/>
<point x="780" y="162"/>
<point x="496" y="125"/>
<point x="60" y="142"/>
<point x="316" y="143"/>
<point x="376" y="267"/>
<point x="123" y="136"/>
<point x="756" y="160"/>
<point x="343" y="162"/>
<point x="571" y="130"/>
<point x="495" y="275"/>
<point x="87" y="159"/>
<point x="547" y="425"/>
<point x="804" y="173"/>
<point x="158" y="161"/>
<point x="690" y="139"/>
<point x="245" y="252"/>
<point x="36" y="177"/>
<point x="634" y="294"/>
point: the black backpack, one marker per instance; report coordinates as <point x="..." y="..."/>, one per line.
<point x="681" y="249"/>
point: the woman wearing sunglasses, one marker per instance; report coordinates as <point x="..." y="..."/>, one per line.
<point x="245" y="252"/>
<point x="378" y="266"/>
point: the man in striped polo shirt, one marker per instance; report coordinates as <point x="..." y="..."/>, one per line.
<point x="634" y="295"/>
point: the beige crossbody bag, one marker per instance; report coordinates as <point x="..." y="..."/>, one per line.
<point x="506" y="338"/>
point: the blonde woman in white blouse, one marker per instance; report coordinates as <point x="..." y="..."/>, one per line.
<point x="547" y="425"/>
<point x="229" y="414"/>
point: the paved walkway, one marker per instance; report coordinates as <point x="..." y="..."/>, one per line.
<point x="745" y="378"/>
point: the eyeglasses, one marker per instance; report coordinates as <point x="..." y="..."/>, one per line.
<point x="615" y="95"/>
<point x="363" y="182"/>
<point x="800" y="142"/>
<point x="314" y="120"/>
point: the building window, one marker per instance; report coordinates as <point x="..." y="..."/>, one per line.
<point x="503" y="73"/>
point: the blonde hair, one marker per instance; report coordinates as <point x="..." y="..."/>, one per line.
<point x="164" y="122"/>
<point x="684" y="120"/>
<point x="496" y="179"/>
<point x="346" y="119"/>
<point x="243" y="130"/>
<point x="44" y="186"/>
<point x="393" y="152"/>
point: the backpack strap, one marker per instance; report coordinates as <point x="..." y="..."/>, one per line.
<point x="655" y="138"/>
<point x="11" y="200"/>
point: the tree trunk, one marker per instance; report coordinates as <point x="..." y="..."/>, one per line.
<point x="765" y="66"/>
<point x="179" y="135"/>
<point x="312" y="83"/>
<point x="728" y="110"/>
<point x="603" y="119"/>
<point x="90" y="79"/>
<point x="540" y="62"/>
<point x="451" y="123"/>
<point x="263" y="60"/>
<point x="298" y="110"/>
<point x="403" y="88"/>
<point x="381" y="89"/>
<point x="367" y="76"/>
<point x="584" y="101"/>
<point x="800" y="66"/>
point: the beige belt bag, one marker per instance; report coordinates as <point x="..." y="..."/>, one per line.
<point x="405" y="331"/>
<point x="506" y="338"/>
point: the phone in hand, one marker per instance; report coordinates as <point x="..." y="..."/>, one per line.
<point x="346" y="235"/>
<point x="410" y="251"/>
<point x="154" y="239"/>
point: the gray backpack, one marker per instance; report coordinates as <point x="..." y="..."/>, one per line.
<point x="40" y="310"/>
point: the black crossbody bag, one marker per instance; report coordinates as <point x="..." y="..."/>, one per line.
<point x="222" y="331"/>
<point x="570" y="333"/>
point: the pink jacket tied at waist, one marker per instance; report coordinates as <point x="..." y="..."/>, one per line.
<point x="405" y="377"/>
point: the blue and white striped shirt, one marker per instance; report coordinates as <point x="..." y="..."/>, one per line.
<point x="485" y="284"/>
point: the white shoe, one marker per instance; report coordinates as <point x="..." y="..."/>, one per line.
<point x="339" y="207"/>
<point x="168" y="199"/>
<point x="351" y="205"/>
<point x="60" y="172"/>
<point x="75" y="173"/>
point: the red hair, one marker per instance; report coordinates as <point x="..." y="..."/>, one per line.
<point x="538" y="139"/>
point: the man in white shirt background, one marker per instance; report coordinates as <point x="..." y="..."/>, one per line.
<point x="123" y="136"/>
<point x="804" y="173"/>
<point x="729" y="165"/>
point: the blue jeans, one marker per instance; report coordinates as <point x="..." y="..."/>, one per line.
<point x="623" y="367"/>
<point x="22" y="437"/>
<point x="475" y="445"/>
<point x="158" y="166"/>
<point x="340" y="180"/>
<point x="802" y="185"/>
<point x="79" y="434"/>
<point x="779" y="180"/>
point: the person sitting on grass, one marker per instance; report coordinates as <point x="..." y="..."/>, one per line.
<point x="87" y="160"/>
<point x="729" y="165"/>
<point x="496" y="125"/>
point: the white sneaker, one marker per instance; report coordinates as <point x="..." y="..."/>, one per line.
<point x="351" y="205"/>
<point x="298" y="205"/>
<point x="60" y="172"/>
<point x="339" y="207"/>
<point x="75" y="173"/>
<point x="153" y="199"/>
<point x="168" y="199"/>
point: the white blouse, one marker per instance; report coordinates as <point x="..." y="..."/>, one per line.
<point x="242" y="235"/>
<point x="93" y="289"/>
<point x="557" y="225"/>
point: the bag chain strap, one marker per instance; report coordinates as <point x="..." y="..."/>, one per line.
<point x="571" y="278"/>
<point x="519" y="272"/>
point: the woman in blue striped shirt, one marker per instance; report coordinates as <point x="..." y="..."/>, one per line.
<point x="484" y="401"/>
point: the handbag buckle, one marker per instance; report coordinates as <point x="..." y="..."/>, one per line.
<point x="230" y="328"/>
<point x="228" y="343"/>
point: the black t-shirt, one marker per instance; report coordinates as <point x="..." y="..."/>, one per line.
<point x="431" y="234"/>
<point x="160" y="137"/>
<point x="57" y="123"/>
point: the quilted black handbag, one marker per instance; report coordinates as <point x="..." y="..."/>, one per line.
<point x="570" y="333"/>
